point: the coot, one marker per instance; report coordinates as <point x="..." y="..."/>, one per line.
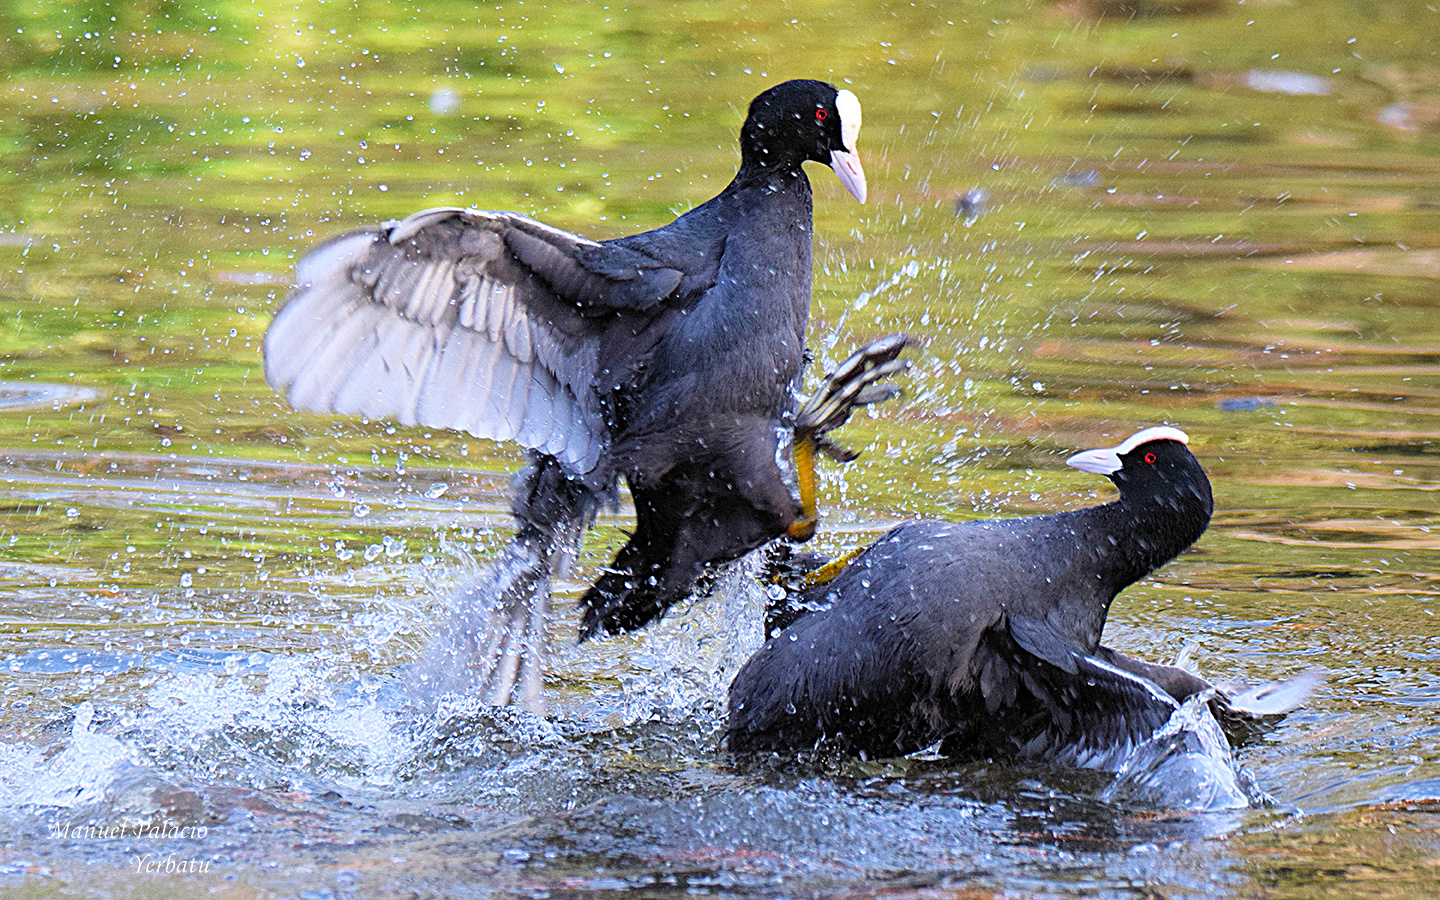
<point x="666" y="358"/>
<point x="984" y="636"/>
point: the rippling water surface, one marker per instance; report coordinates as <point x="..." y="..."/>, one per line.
<point x="1098" y="215"/>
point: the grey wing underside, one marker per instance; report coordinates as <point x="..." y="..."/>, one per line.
<point x="452" y="318"/>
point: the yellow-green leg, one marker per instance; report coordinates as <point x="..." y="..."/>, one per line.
<point x="826" y="573"/>
<point x="803" y="528"/>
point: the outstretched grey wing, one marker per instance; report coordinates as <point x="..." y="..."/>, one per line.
<point x="453" y="318"/>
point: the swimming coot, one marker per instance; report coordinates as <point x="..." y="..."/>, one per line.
<point x="666" y="358"/>
<point x="984" y="637"/>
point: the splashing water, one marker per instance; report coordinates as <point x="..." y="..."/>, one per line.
<point x="307" y="744"/>
<point x="77" y="776"/>
<point x="311" y="723"/>
<point x="490" y="640"/>
<point x="1186" y="764"/>
<point x="686" y="663"/>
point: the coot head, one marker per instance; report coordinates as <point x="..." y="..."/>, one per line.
<point x="805" y="120"/>
<point x="1153" y="464"/>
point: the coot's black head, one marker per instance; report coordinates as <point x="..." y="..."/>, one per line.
<point x="805" y="120"/>
<point x="1153" y="466"/>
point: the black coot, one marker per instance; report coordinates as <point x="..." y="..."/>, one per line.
<point x="666" y="358"/>
<point x="985" y="636"/>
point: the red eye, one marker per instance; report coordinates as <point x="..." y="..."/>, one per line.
<point x="821" y="115"/>
<point x="1150" y="458"/>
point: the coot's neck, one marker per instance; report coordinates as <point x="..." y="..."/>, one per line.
<point x="1123" y="542"/>
<point x="771" y="177"/>
<point x="1141" y="534"/>
<point x="766" y="161"/>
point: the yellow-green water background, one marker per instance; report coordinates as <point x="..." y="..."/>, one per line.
<point x="1220" y="215"/>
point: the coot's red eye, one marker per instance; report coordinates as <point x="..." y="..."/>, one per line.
<point x="1150" y="458"/>
<point x="820" y="115"/>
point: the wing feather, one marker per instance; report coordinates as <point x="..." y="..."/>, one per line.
<point x="298" y="328"/>
<point x="447" y="385"/>
<point x="469" y="299"/>
<point x="517" y="336"/>
<point x="502" y="297"/>
<point x="501" y="392"/>
<point x="368" y="389"/>
<point x="403" y="383"/>
<point x="516" y="411"/>
<point x="434" y="290"/>
<point x="1077" y="710"/>
<point x="538" y="414"/>
<point x="452" y="318"/>
<point x="317" y="384"/>
<point x="482" y="381"/>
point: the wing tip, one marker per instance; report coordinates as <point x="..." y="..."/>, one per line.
<point x="324" y="261"/>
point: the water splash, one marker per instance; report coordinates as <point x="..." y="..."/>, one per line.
<point x="1186" y="764"/>
<point x="316" y="724"/>
<point x="684" y="665"/>
<point x="490" y="640"/>
<point x="75" y="777"/>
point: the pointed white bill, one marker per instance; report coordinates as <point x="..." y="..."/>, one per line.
<point x="1106" y="460"/>
<point x="847" y="167"/>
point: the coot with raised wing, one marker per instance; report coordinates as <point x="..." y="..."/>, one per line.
<point x="666" y="358"/>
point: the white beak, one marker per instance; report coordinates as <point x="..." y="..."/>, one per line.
<point x="845" y="163"/>
<point x="847" y="167"/>
<point x="1101" y="462"/>
<point x="1106" y="461"/>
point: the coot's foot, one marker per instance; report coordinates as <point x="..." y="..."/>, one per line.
<point x="858" y="381"/>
